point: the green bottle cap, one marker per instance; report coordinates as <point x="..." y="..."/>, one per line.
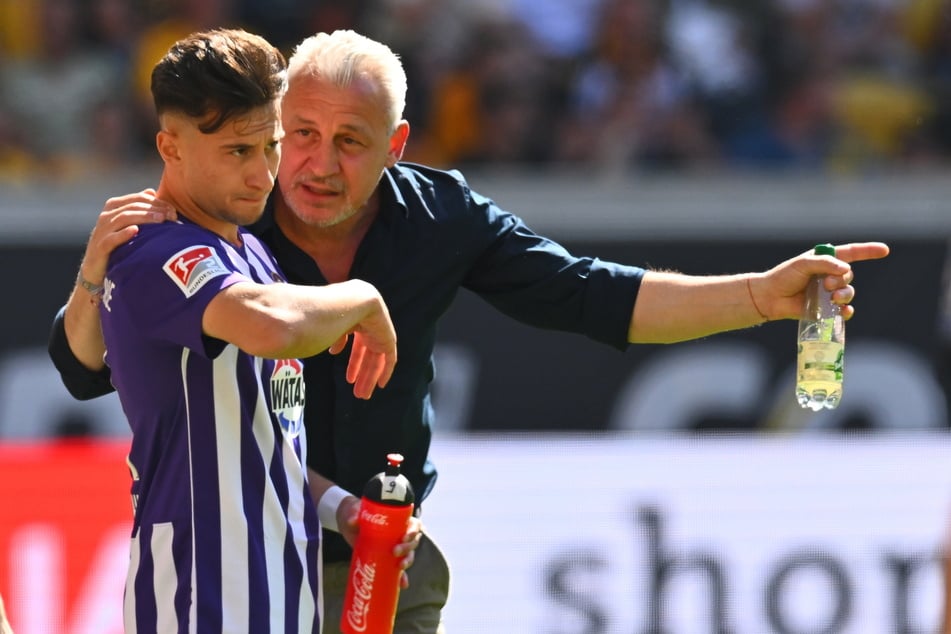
<point x="825" y="249"/>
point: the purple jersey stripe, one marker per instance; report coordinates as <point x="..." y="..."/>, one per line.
<point x="200" y="399"/>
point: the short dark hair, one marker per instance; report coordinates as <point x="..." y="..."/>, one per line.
<point x="216" y="75"/>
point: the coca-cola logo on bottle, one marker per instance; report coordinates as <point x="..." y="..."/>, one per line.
<point x="362" y="582"/>
<point x="378" y="519"/>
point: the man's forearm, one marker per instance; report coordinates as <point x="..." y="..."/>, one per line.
<point x="83" y="329"/>
<point x="672" y="307"/>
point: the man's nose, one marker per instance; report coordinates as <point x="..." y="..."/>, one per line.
<point x="261" y="174"/>
<point x="323" y="159"/>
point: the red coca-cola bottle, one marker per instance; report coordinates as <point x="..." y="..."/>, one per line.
<point x="369" y="605"/>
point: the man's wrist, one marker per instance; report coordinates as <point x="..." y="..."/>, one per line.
<point x="328" y="505"/>
<point x="95" y="290"/>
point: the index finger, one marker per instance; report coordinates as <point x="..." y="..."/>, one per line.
<point x="388" y="369"/>
<point x="146" y="195"/>
<point x="858" y="251"/>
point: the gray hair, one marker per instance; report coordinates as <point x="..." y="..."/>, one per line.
<point x="343" y="56"/>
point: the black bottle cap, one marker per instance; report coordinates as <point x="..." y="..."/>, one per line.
<point x="390" y="487"/>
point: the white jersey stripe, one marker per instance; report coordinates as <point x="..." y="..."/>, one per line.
<point x="295" y="513"/>
<point x="165" y="577"/>
<point x="261" y="271"/>
<point x="128" y="600"/>
<point x="234" y="559"/>
<point x="319" y="608"/>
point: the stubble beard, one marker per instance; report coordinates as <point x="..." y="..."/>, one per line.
<point x="315" y="217"/>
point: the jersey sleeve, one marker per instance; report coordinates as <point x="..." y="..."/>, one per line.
<point x="159" y="289"/>
<point x="81" y="382"/>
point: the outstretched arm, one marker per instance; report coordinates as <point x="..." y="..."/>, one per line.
<point x="281" y="321"/>
<point x="672" y="307"/>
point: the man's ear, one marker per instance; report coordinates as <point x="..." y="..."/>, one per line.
<point x="397" y="143"/>
<point x="167" y="144"/>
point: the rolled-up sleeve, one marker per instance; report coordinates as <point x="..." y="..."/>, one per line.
<point x="81" y="382"/>
<point x="539" y="282"/>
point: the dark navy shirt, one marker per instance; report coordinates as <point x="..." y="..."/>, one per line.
<point x="433" y="236"/>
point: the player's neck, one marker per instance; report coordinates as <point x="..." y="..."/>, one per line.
<point x="187" y="207"/>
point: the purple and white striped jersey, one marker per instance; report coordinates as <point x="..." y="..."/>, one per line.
<point x="225" y="536"/>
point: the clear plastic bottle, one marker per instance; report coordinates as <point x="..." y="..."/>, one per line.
<point x="373" y="588"/>
<point x="821" y="351"/>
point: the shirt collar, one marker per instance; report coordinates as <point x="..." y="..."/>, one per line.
<point x="392" y="191"/>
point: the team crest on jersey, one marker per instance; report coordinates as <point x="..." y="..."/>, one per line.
<point x="287" y="395"/>
<point x="191" y="268"/>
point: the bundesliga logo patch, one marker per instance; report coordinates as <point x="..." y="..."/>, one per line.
<point x="287" y="395"/>
<point x="191" y="268"/>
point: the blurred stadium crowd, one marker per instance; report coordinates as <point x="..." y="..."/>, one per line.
<point x="830" y="85"/>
